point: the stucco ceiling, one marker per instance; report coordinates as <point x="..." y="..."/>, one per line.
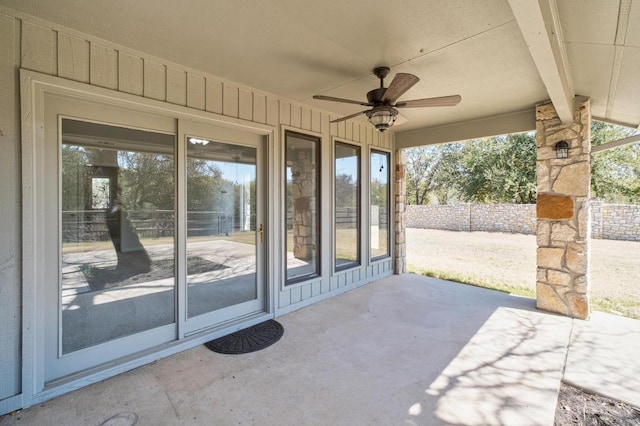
<point x="494" y="53"/>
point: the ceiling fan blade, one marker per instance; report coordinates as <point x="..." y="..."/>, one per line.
<point x="348" y="116"/>
<point x="346" y="101"/>
<point x="400" y="84"/>
<point x="430" y="102"/>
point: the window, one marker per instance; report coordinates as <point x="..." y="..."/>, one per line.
<point x="302" y="203"/>
<point x="379" y="196"/>
<point x="347" y="205"/>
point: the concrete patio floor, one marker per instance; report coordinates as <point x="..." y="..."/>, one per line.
<point x="403" y="350"/>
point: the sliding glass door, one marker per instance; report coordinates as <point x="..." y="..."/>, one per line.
<point x="149" y="234"/>
<point x="224" y="225"/>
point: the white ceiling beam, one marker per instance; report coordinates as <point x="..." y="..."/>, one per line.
<point x="620" y="142"/>
<point x="516" y="122"/>
<point x="540" y="26"/>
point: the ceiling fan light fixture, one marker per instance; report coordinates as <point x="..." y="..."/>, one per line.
<point x="383" y="117"/>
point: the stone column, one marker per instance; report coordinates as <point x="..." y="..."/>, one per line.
<point x="400" y="190"/>
<point x="563" y="211"/>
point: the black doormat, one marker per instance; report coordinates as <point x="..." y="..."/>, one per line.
<point x="250" y="339"/>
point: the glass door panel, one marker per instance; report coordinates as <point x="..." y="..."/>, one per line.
<point x="117" y="225"/>
<point x="221" y="225"/>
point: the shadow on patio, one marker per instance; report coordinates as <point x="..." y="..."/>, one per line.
<point x="403" y="350"/>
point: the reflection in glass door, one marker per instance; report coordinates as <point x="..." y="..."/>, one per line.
<point x="223" y="231"/>
<point x="117" y="226"/>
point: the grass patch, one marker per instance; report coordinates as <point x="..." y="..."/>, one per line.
<point x="474" y="281"/>
<point x="625" y="307"/>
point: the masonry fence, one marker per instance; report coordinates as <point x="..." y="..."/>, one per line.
<point x="609" y="221"/>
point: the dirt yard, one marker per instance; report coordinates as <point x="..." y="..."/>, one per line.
<point x="509" y="260"/>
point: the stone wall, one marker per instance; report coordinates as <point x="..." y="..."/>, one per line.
<point x="609" y="221"/>
<point x="615" y="221"/>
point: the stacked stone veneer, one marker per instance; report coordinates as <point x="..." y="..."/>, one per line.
<point x="400" y="206"/>
<point x="303" y="194"/>
<point x="513" y="218"/>
<point x="563" y="211"/>
<point x="615" y="221"/>
<point x="609" y="221"/>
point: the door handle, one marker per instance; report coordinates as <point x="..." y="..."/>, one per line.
<point x="260" y="231"/>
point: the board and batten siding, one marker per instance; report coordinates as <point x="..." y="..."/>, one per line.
<point x="43" y="47"/>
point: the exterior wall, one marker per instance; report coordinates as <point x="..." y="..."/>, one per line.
<point x="49" y="49"/>
<point x="10" y="211"/>
<point x="609" y="221"/>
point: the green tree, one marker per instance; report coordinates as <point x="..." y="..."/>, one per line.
<point x="501" y="169"/>
<point x="615" y="173"/>
<point x="431" y="173"/>
<point x="146" y="179"/>
<point x="490" y="170"/>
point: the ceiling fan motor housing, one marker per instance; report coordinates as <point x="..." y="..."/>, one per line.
<point x="375" y="96"/>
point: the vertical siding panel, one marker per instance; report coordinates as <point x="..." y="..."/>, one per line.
<point x="356" y="132"/>
<point x="130" y="74"/>
<point x="342" y="129"/>
<point x="316" y="288"/>
<point x="349" y="130"/>
<point x="296" y="295"/>
<point x="296" y="116"/>
<point x="285" y="298"/>
<point x="325" y="124"/>
<point x="316" y="121"/>
<point x="259" y="108"/>
<point x="370" y="130"/>
<point x="73" y="58"/>
<point x="285" y="113"/>
<point x="273" y="111"/>
<point x="103" y="68"/>
<point x="195" y="91"/>
<point x="348" y="278"/>
<point x="306" y="292"/>
<point x="334" y="283"/>
<point x="245" y="104"/>
<point x="155" y="80"/>
<point x="305" y="119"/>
<point x="325" y="286"/>
<point x="375" y="138"/>
<point x="176" y="86"/>
<point x="38" y="48"/>
<point x="214" y="96"/>
<point x="230" y="101"/>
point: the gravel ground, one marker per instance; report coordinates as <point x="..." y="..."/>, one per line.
<point x="577" y="408"/>
<point x="510" y="259"/>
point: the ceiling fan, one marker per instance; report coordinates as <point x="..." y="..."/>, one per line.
<point x="384" y="100"/>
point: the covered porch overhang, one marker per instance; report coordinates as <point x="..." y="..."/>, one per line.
<point x="545" y="65"/>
